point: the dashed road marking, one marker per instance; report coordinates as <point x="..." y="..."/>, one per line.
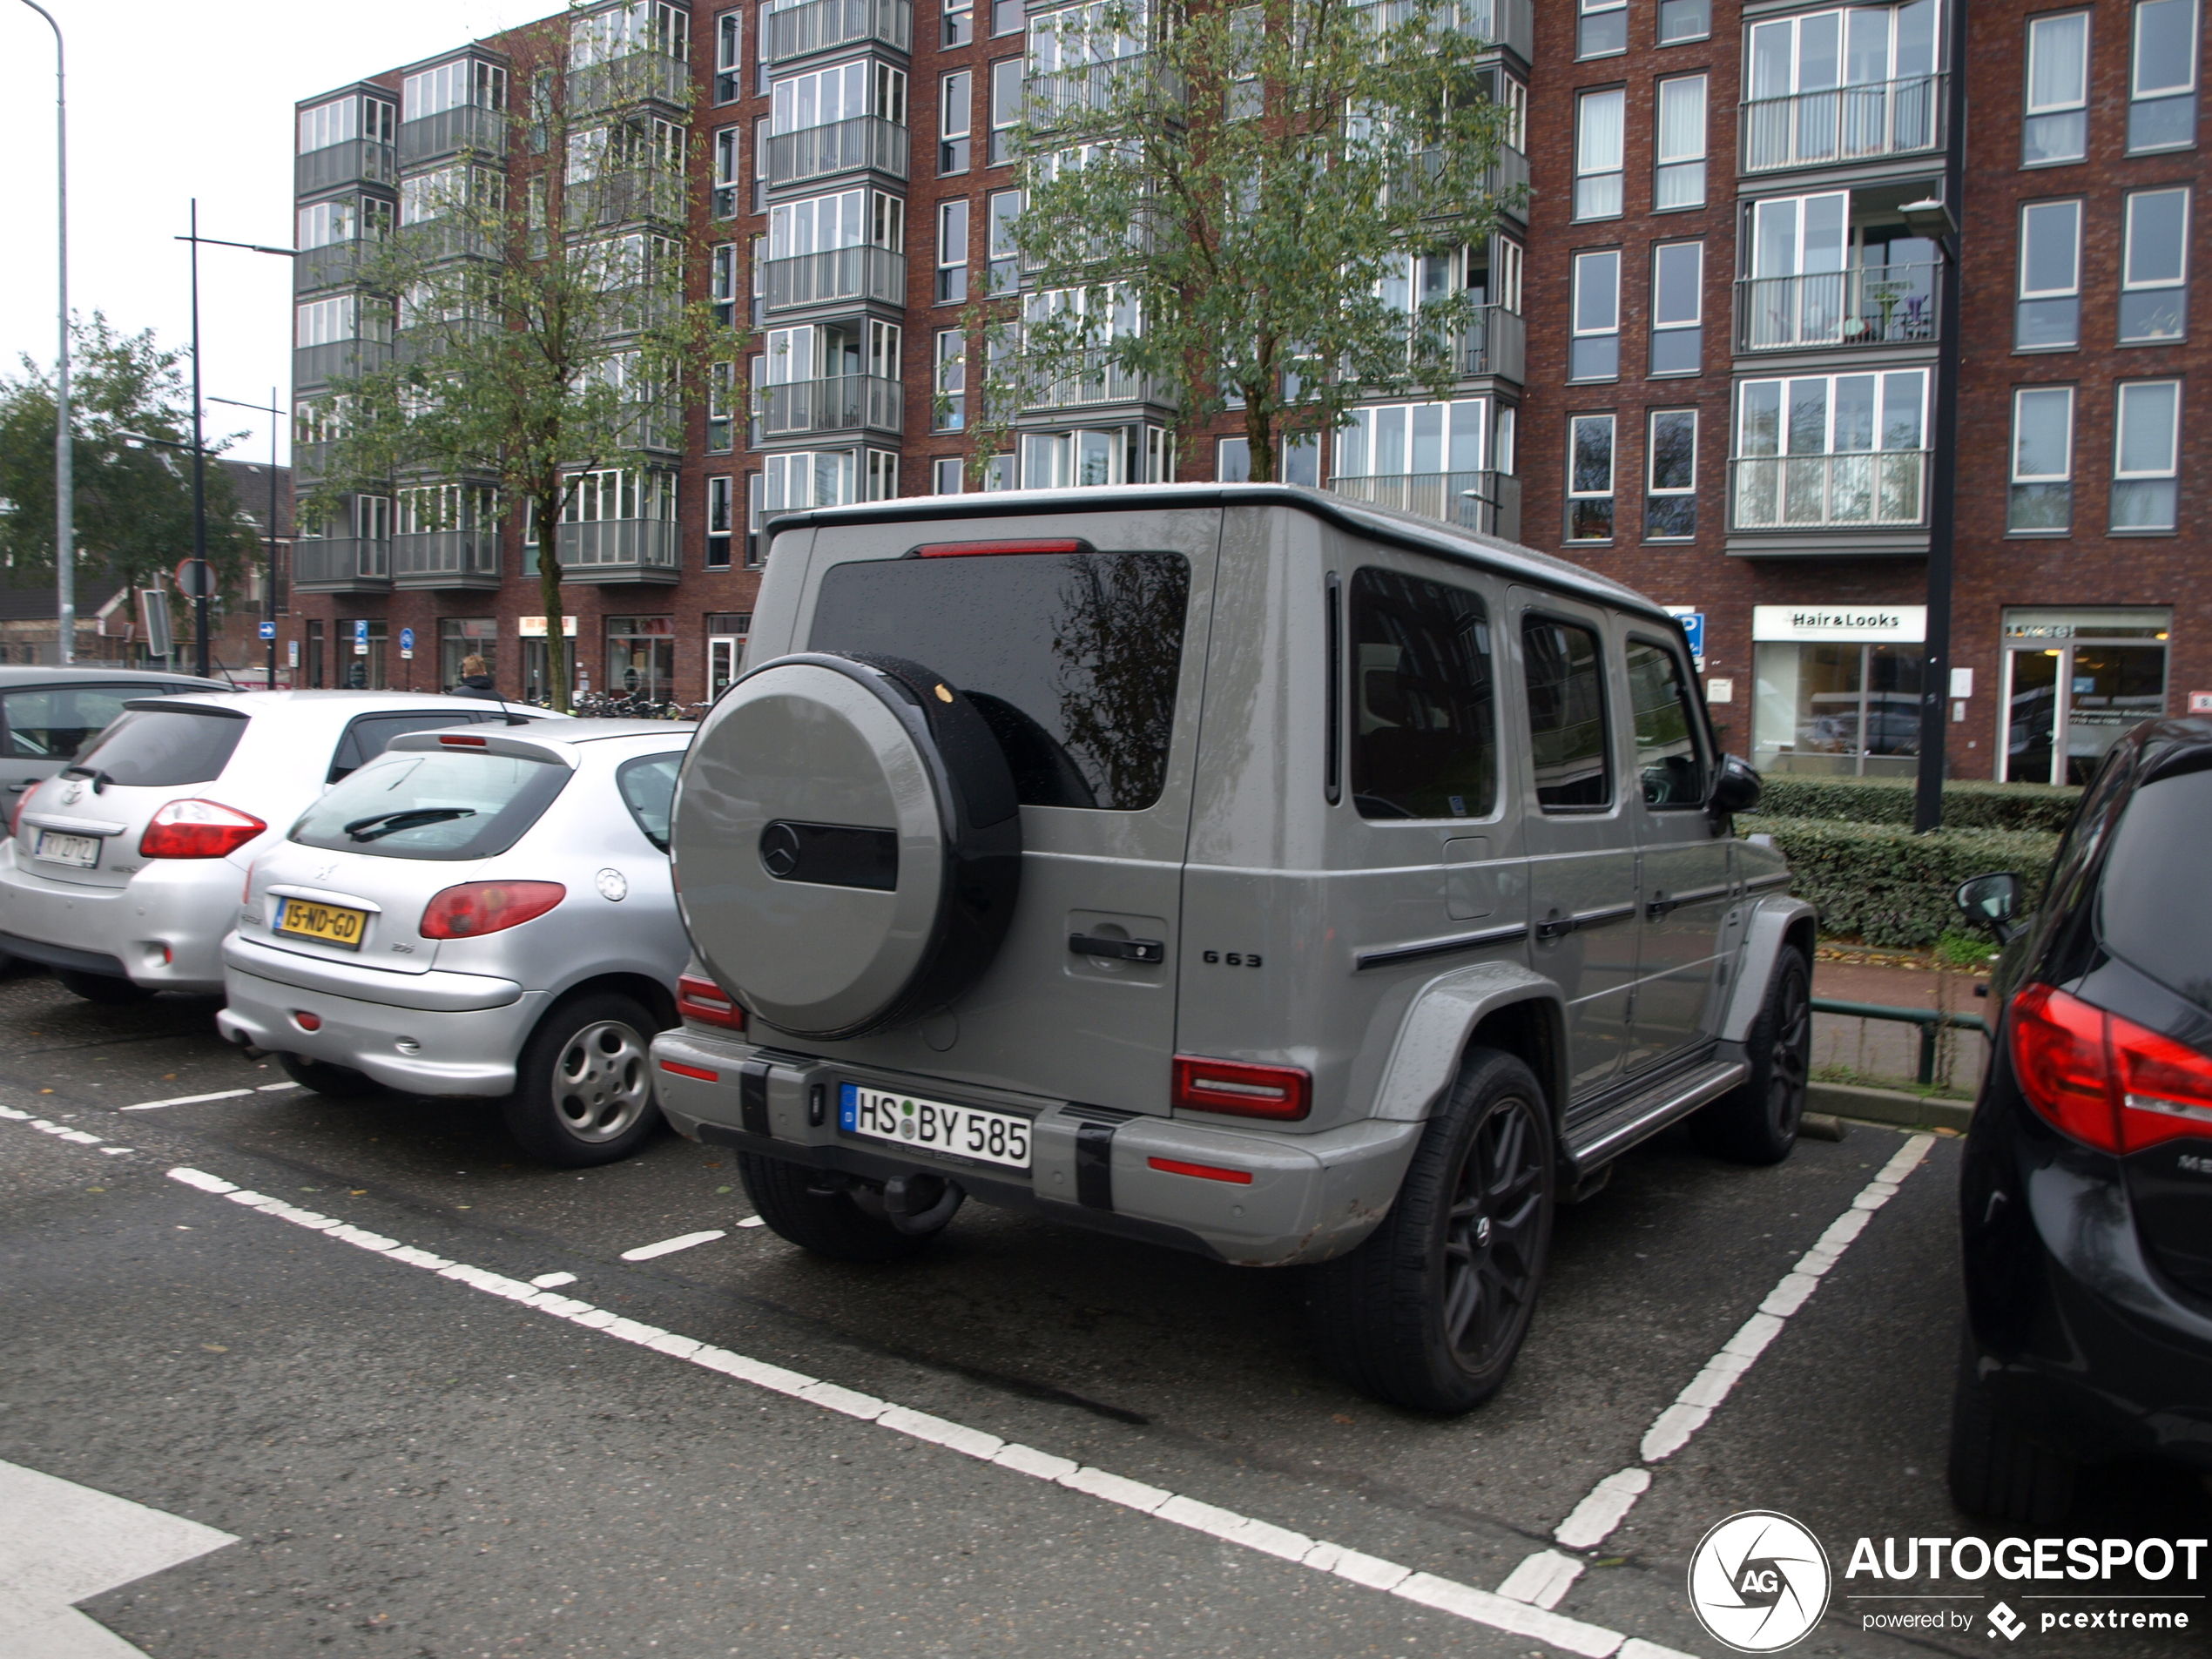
<point x="220" y="1094"/>
<point x="670" y="1246"/>
<point x="752" y="1221"/>
<point x="553" y="1281"/>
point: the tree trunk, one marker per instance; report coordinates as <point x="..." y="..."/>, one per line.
<point x="549" y="590"/>
<point x="1259" y="439"/>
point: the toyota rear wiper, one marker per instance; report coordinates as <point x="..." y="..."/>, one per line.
<point x="393" y="823"/>
<point x="100" y="779"/>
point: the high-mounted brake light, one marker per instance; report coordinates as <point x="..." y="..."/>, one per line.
<point x="706" y="1002"/>
<point x="987" y="549"/>
<point x="2104" y="1080"/>
<point x="1242" y="1088"/>
<point x="477" y="908"/>
<point x="461" y="743"/>
<point x="198" y="829"/>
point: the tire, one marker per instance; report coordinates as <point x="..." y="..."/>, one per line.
<point x="1997" y="1471"/>
<point x="1757" y="1124"/>
<point x="584" y="1087"/>
<point x="102" y="988"/>
<point x="824" y="1221"/>
<point x="339" y="1083"/>
<point x="1430" y="1310"/>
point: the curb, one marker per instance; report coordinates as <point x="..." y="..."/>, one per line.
<point x="1889" y="1106"/>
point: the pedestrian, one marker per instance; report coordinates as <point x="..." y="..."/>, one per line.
<point x="475" y="678"/>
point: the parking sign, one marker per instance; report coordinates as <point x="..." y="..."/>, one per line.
<point x="1693" y="625"/>
<point x="407" y="639"/>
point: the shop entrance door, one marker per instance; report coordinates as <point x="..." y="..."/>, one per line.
<point x="2074" y="681"/>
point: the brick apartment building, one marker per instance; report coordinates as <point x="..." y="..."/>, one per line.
<point x="1710" y="362"/>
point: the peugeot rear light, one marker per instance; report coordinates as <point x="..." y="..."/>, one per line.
<point x="2104" y="1080"/>
<point x="198" y="829"/>
<point x="1242" y="1088"/>
<point x="703" y="1000"/>
<point x="474" y="909"/>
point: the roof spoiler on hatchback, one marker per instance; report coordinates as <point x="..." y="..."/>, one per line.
<point x="479" y="740"/>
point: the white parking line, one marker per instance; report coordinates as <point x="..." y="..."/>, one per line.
<point x="1462" y="1601"/>
<point x="220" y="1094"/>
<point x="670" y="1246"/>
<point x="553" y="1281"/>
<point x="752" y="1221"/>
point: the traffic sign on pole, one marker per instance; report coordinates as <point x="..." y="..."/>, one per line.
<point x="268" y="630"/>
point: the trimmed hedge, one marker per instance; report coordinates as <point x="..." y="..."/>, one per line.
<point x="1889" y="801"/>
<point x="1882" y="884"/>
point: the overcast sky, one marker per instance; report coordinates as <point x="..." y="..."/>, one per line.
<point x="167" y="101"/>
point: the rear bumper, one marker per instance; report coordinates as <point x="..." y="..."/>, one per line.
<point x="162" y="928"/>
<point x="1309" y="1197"/>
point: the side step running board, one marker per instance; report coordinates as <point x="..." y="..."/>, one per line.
<point x="1620" y="1127"/>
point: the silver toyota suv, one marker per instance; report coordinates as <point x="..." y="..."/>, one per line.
<point x="1232" y="867"/>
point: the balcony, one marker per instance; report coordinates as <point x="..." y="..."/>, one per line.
<point x="1488" y="502"/>
<point x="1505" y="23"/>
<point x="794" y="32"/>
<point x="1892" y="305"/>
<point x="625" y="197"/>
<point x="341" y="564"/>
<point x="621" y="550"/>
<point x="635" y="78"/>
<point x="354" y="161"/>
<point x="466" y="129"/>
<point x="1885" y="490"/>
<point x="1509" y="181"/>
<point x="335" y="265"/>
<point x="1099" y="381"/>
<point x="838" y="147"/>
<point x="842" y="403"/>
<point x="1845" y="123"/>
<point x="1497" y="344"/>
<point x="1093" y="89"/>
<point x="837" y="273"/>
<point x="314" y="365"/>
<point x="445" y="559"/>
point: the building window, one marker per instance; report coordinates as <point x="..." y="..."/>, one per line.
<point x="947" y="476"/>
<point x="948" y="412"/>
<point x="1680" y="179"/>
<point x="760" y="165"/>
<point x="2153" y="268"/>
<point x="1831" y="451"/>
<point x="956" y="97"/>
<point x="1005" y="104"/>
<point x="1590" y="478"/>
<point x="342" y="119"/>
<point x="806" y="478"/>
<point x="451" y="86"/>
<point x="1670" y="496"/>
<point x="724" y="199"/>
<point x="952" y="251"/>
<point x="2162" y="80"/>
<point x="883" y="475"/>
<point x="2042" y="492"/>
<point x="1594" y="354"/>
<point x="1437" y="446"/>
<point x="2049" y="313"/>
<point x="721" y="508"/>
<point x="729" y="57"/>
<point x="1006" y="17"/>
<point x="1839" y="86"/>
<point x="1681" y="20"/>
<point x="1677" y="308"/>
<point x="1297" y="460"/>
<point x="722" y="284"/>
<point x="2056" y="125"/>
<point x="753" y="514"/>
<point x="1601" y="29"/>
<point x="1598" y="136"/>
<point x="999" y="246"/>
<point x="2147" y="455"/>
<point x="721" y="381"/>
<point x="960" y="22"/>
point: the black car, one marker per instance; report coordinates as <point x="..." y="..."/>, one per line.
<point x="2087" y="1183"/>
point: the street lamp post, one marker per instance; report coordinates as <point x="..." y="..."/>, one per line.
<point x="64" y="439"/>
<point x="268" y="592"/>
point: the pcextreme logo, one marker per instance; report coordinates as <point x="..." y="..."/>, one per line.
<point x="1759" y="1582"/>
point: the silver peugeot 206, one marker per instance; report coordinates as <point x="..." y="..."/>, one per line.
<point x="486" y="912"/>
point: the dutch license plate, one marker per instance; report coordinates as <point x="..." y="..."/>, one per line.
<point x="931" y="1125"/>
<point x="83" y="851"/>
<point x="333" y="924"/>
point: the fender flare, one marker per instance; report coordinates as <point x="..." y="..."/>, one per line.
<point x="1767" y="927"/>
<point x="1433" y="1035"/>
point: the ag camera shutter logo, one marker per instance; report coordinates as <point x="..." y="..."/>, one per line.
<point x="1759" y="1582"/>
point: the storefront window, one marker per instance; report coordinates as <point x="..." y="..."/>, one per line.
<point x="726" y="637"/>
<point x="462" y="637"/>
<point x="535" y="683"/>
<point x="362" y="658"/>
<point x="641" y="658"/>
<point x="2090" y="674"/>
<point x="1838" y="708"/>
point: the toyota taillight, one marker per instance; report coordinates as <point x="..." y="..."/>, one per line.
<point x="198" y="829"/>
<point x="707" y="1002"/>
<point x="477" y="908"/>
<point x="2104" y="1080"/>
<point x="1241" y="1086"/>
<point x="15" y="818"/>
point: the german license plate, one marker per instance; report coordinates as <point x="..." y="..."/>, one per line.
<point x="83" y="851"/>
<point x="333" y="924"/>
<point x="931" y="1125"/>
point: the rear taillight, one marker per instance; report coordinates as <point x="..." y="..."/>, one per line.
<point x="15" y="818"/>
<point x="2104" y="1080"/>
<point x="1240" y="1086"/>
<point x="477" y="908"/>
<point x="198" y="829"/>
<point x="706" y="1002"/>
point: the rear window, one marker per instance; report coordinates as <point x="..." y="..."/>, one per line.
<point x="1072" y="659"/>
<point x="2155" y="910"/>
<point x="450" y="804"/>
<point x="54" y="722"/>
<point x="648" y="785"/>
<point x="162" y="748"/>
<point x="371" y="734"/>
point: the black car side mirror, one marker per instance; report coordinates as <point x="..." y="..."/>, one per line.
<point x="1736" y="787"/>
<point x="1991" y="901"/>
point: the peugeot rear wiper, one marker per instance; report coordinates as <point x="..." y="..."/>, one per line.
<point x="393" y="823"/>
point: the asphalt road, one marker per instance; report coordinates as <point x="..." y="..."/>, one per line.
<point x="413" y="1464"/>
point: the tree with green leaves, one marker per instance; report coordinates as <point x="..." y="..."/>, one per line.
<point x="1224" y="204"/>
<point x="543" y="349"/>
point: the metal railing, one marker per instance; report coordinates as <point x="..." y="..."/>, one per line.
<point x="608" y="548"/>
<point x="621" y="197"/>
<point x="351" y="161"/>
<point x="1508" y="181"/>
<point x="1092" y="88"/>
<point x="1488" y="502"/>
<point x="335" y="265"/>
<point x="841" y="403"/>
<point x="1891" y="304"/>
<point x="1497" y="344"/>
<point x="1843" y="124"/>
<point x="836" y="273"/>
<point x="312" y="364"/>
<point x="326" y="562"/>
<point x="445" y="558"/>
<point x="465" y="128"/>
<point x="1099" y="380"/>
<point x="1884" y="489"/>
<point x="838" y="147"/>
<point x="793" y="31"/>
<point x="631" y="78"/>
<point x="1931" y="1021"/>
<point x="1510" y="22"/>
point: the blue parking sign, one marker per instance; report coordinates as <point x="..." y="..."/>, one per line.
<point x="1693" y="626"/>
<point x="268" y="630"/>
<point x="407" y="639"/>
<point x="360" y="631"/>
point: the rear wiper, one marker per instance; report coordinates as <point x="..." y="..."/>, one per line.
<point x="100" y="779"/>
<point x="393" y="823"/>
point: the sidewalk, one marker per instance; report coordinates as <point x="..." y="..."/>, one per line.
<point x="1888" y="1051"/>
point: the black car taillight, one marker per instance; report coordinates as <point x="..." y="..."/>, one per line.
<point x="2104" y="1080"/>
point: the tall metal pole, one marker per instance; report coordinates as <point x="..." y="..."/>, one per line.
<point x="64" y="435"/>
<point x="268" y="592"/>
<point x="199" y="475"/>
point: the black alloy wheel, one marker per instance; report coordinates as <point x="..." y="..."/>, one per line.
<point x="1757" y="1123"/>
<point x="1494" y="1243"/>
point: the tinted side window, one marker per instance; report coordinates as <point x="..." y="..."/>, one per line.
<point x="2156" y="909"/>
<point x="371" y="734"/>
<point x="160" y="748"/>
<point x="648" y="785"/>
<point x="1669" y="759"/>
<point x="1566" y="732"/>
<point x="1072" y="659"/>
<point x="1424" y="700"/>
<point x="54" y="723"/>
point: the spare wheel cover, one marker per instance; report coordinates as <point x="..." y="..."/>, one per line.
<point x="847" y="843"/>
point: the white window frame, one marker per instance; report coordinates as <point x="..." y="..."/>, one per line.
<point x="721" y="517"/>
<point x="1587" y="9"/>
<point x="451" y="85"/>
<point x="1506" y="259"/>
<point x="2128" y="281"/>
<point x="2021" y="395"/>
<point x="949" y="256"/>
<point x="1675" y="169"/>
<point x="2039" y="29"/>
<point x="1611" y="424"/>
<point x="948" y="476"/>
<point x="1881" y="376"/>
<point x="1666" y="39"/>
<point x="1583" y="287"/>
<point x="2044" y="211"/>
<point x="1592" y="203"/>
<point x="1652" y="487"/>
<point x="1662" y="324"/>
<point x="2136" y="92"/>
<point x="864" y="87"/>
<point x="729" y="55"/>
<point x="949" y="380"/>
<point x="2126" y="394"/>
<point x="950" y="109"/>
<point x="1004" y="120"/>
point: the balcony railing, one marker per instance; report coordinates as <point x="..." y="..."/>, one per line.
<point x="1092" y="88"/>
<point x="1510" y="22"/>
<point x="1508" y="181"/>
<point x="632" y="78"/>
<point x="1497" y="344"/>
<point x="1891" y="304"/>
<point x="621" y="550"/>
<point x="841" y="403"/>
<point x="313" y="365"/>
<point x="341" y="564"/>
<point x="837" y="273"/>
<point x="1488" y="502"/>
<point x="335" y="265"/>
<point x="1845" y="123"/>
<point x="1099" y="381"/>
<point x="354" y="161"/>
<point x="1886" y="489"/>
<point x="793" y="31"/>
<point x="465" y="129"/>
<point x="838" y="147"/>
<point x="445" y="559"/>
<point x="624" y="198"/>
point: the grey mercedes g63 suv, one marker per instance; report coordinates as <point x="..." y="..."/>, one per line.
<point x="1228" y="866"/>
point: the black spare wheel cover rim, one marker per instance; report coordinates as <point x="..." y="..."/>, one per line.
<point x="846" y="842"/>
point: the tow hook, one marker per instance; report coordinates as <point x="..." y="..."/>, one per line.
<point x="920" y="1204"/>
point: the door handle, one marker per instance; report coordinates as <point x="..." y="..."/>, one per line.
<point x="1554" y="927"/>
<point x="1662" y="905"/>
<point x="1125" y="950"/>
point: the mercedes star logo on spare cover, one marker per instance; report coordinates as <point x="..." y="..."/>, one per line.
<point x="1759" y="1582"/>
<point x="780" y="849"/>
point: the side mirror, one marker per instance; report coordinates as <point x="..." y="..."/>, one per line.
<point x="1991" y="901"/>
<point x="1736" y="787"/>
